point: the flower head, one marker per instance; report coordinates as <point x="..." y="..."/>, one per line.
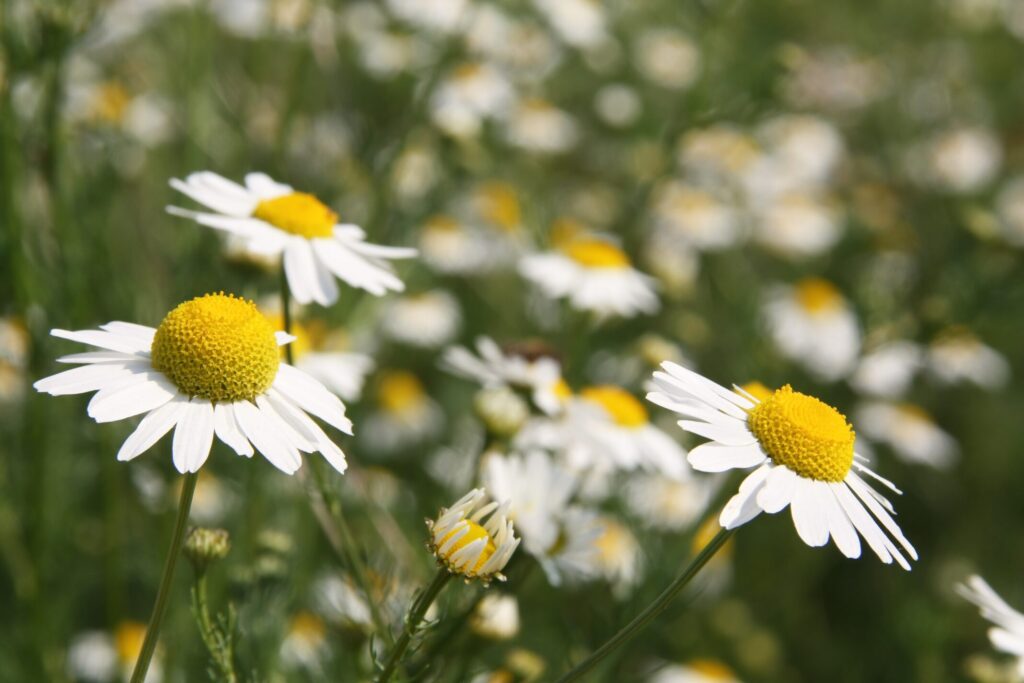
<point x="803" y="452"/>
<point x="276" y="220"/>
<point x="1007" y="635"/>
<point x="210" y="369"/>
<point x="469" y="546"/>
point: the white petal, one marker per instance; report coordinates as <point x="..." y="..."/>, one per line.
<point x="863" y="492"/>
<point x="283" y="338"/>
<point x="226" y="429"/>
<point x="140" y="332"/>
<point x="294" y="434"/>
<point x="103" y="357"/>
<point x="712" y="457"/>
<point x="145" y="392"/>
<point x="778" y="490"/>
<point x="297" y="266"/>
<point x="865" y="525"/>
<point x="839" y="525"/>
<point x="83" y="379"/>
<point x="193" y="437"/>
<point x="730" y="435"/>
<point x="151" y="429"/>
<point x="112" y="341"/>
<point x="743" y="507"/>
<point x="281" y="455"/>
<point x="808" y="517"/>
<point x="312" y="396"/>
<point x="331" y="452"/>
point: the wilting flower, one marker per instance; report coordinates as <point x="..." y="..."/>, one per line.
<point x="812" y="324"/>
<point x="909" y="430"/>
<point x="1007" y="635"/>
<point x="275" y="219"/>
<point x="210" y="369"/>
<point x="594" y="275"/>
<point x="803" y="452"/>
<point x="467" y="545"/>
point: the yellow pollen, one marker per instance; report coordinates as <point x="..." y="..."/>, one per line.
<point x="806" y="435"/>
<point x="128" y="637"/>
<point x="500" y="206"/>
<point x="399" y="390"/>
<point x="594" y="253"/>
<point x="757" y="390"/>
<point x="816" y="295"/>
<point x="474" y="533"/>
<point x="710" y="668"/>
<point x="621" y="405"/>
<point x="217" y="347"/>
<point x="298" y="213"/>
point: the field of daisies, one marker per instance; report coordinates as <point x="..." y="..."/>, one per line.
<point x="449" y="341"/>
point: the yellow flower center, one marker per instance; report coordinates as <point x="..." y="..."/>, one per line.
<point x="714" y="670"/>
<point x="474" y="533"/>
<point x="111" y="102"/>
<point x="806" y="435"/>
<point x="816" y="295"/>
<point x="562" y="390"/>
<point x="217" y="347"/>
<point x="308" y="627"/>
<point x="914" y="413"/>
<point x="298" y="213"/>
<point x="128" y="637"/>
<point x="597" y="254"/>
<point x="399" y="390"/>
<point x="500" y="206"/>
<point x="757" y="390"/>
<point x="621" y="405"/>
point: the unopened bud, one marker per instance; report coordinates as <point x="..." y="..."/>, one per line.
<point x="204" y="546"/>
<point x="503" y="411"/>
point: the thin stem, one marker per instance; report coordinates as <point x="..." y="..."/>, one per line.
<point x="412" y="622"/>
<point x="218" y="644"/>
<point x="188" y="487"/>
<point x="286" y="312"/>
<point x="653" y="610"/>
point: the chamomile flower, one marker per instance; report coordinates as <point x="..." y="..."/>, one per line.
<point x="613" y="428"/>
<point x="538" y="126"/>
<point x="496" y="617"/>
<point x="212" y="368"/>
<point x="909" y="430"/>
<point x="668" y="504"/>
<point x="405" y="414"/>
<point x="275" y="219"/>
<point x="594" y="275"/>
<point x="695" y="671"/>
<point x="467" y="545"/>
<point x="470" y="94"/>
<point x="305" y="643"/>
<point x="92" y="657"/>
<point x="1007" y="634"/>
<point x="426" y="320"/>
<point x="618" y="556"/>
<point x="523" y="366"/>
<point x="888" y="370"/>
<point x="696" y="216"/>
<point x="803" y="453"/>
<point x="812" y="324"/>
<point x="128" y="638"/>
<point x="957" y="356"/>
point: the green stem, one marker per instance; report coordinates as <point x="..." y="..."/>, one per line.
<point x="153" y="631"/>
<point x="286" y="312"/>
<point x="653" y="610"/>
<point x="412" y="621"/>
<point x="218" y="644"/>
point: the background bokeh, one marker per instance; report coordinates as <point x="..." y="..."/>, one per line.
<point x="735" y="148"/>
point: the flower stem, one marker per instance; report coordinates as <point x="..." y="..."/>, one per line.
<point x="653" y="610"/>
<point x="412" y="621"/>
<point x="286" y="312"/>
<point x="153" y="631"/>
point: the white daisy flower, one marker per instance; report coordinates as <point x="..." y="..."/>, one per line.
<point x="798" y="224"/>
<point x="668" y="504"/>
<point x="610" y="427"/>
<point x="812" y="324"/>
<point x="276" y="219"/>
<point x="426" y="320"/>
<point x="1007" y="634"/>
<point x="963" y="159"/>
<point x="496" y="617"/>
<point x="210" y="369"/>
<point x="472" y="92"/>
<point x="667" y="58"/>
<point x="594" y="275"/>
<point x="803" y="454"/>
<point x="909" y="431"/>
<point x="958" y="356"/>
<point x="467" y="545"/>
<point x="92" y="657"/>
<point x="405" y="414"/>
<point x="305" y="642"/>
<point x="519" y="367"/>
<point x="695" y="671"/>
<point x="696" y="216"/>
<point x="580" y="23"/>
<point x="539" y="126"/>
<point x="618" y="556"/>
<point x="888" y="370"/>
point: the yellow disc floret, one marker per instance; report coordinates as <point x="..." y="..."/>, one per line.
<point x="596" y="254"/>
<point x="621" y="405"/>
<point x="806" y="435"/>
<point x="817" y="295"/>
<point x="399" y="391"/>
<point x="217" y="347"/>
<point x="474" y="532"/>
<point x="298" y="213"/>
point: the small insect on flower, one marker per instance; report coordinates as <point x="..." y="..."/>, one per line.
<point x="468" y="546"/>
<point x="803" y="452"/>
<point x="212" y="368"/>
<point x="275" y="219"/>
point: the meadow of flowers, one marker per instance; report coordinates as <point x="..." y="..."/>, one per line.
<point x="497" y="342"/>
